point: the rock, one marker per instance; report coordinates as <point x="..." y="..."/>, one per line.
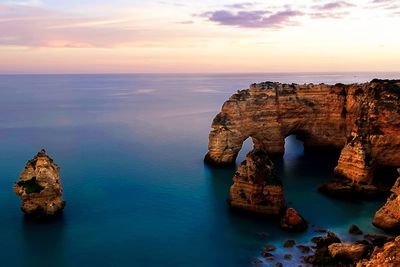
<point x="39" y="186"/>
<point x="292" y="221"/>
<point x="304" y="249"/>
<point x="345" y="188"/>
<point x="262" y="235"/>
<point x="278" y="264"/>
<point x="255" y="186"/>
<point x="321" y="256"/>
<point x="387" y="256"/>
<point x="287" y="256"/>
<point x="269" y="248"/>
<point x="378" y="240"/>
<point x="348" y="252"/>
<point x="363" y="120"/>
<point x="256" y="261"/>
<point x="388" y="217"/>
<point x="354" y="230"/>
<point x="266" y="255"/>
<point x="289" y="243"/>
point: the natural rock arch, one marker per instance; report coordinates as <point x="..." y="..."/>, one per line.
<point x="361" y="119"/>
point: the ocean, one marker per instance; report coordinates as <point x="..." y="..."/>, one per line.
<point x="131" y="148"/>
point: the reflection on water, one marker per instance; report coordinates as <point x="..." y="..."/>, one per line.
<point x="42" y="242"/>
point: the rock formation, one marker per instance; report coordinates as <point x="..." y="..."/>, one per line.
<point x="255" y="186"/>
<point x="388" y="217"/>
<point x="388" y="256"/>
<point x="292" y="221"/>
<point x="361" y="119"/>
<point x="348" y="252"/>
<point x="40" y="187"/>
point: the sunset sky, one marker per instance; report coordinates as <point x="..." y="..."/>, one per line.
<point x="122" y="36"/>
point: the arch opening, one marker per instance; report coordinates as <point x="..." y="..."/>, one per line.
<point x="385" y="176"/>
<point x="247" y="146"/>
<point x="294" y="147"/>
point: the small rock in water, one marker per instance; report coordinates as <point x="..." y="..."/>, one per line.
<point x="269" y="248"/>
<point x="262" y="235"/>
<point x="303" y="248"/>
<point x="256" y="261"/>
<point x="354" y="230"/>
<point x="278" y="264"/>
<point x="289" y="243"/>
<point x="319" y="229"/>
<point x="266" y="254"/>
<point x="287" y="257"/>
<point x="292" y="221"/>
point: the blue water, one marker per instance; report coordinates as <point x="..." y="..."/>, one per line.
<point x="130" y="149"/>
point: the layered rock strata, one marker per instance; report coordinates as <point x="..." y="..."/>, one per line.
<point x="39" y="186"/>
<point x="388" y="217"/>
<point x="255" y="186"/>
<point x="387" y="256"/>
<point x="361" y="119"/>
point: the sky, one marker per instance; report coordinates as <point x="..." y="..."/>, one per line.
<point x="121" y="36"/>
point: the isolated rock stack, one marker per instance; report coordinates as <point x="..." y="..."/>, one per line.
<point x="255" y="186"/>
<point x="40" y="187"/>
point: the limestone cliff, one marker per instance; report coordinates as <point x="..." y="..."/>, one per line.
<point x="388" y="256"/>
<point x="255" y="187"/>
<point x="40" y="187"/>
<point x="388" y="217"/>
<point x="361" y="119"/>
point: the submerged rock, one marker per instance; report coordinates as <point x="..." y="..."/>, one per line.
<point x="292" y="221"/>
<point x="321" y="256"/>
<point x="255" y="186"/>
<point x="388" y="217"/>
<point x="354" y="230"/>
<point x="289" y="243"/>
<point x="40" y="187"/>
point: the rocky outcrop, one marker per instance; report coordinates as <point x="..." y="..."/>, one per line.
<point x="348" y="252"/>
<point x="387" y="256"/>
<point x="292" y="221"/>
<point x="255" y="186"/>
<point x="39" y="186"/>
<point x="388" y="217"/>
<point x="361" y="119"/>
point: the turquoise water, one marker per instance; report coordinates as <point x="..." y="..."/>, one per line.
<point x="130" y="149"/>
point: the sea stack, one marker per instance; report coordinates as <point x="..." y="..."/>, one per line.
<point x="256" y="187"/>
<point x="40" y="188"/>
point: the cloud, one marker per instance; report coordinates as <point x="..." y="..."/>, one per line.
<point x="334" y="5"/>
<point x="241" y="5"/>
<point x="253" y="19"/>
<point x="37" y="26"/>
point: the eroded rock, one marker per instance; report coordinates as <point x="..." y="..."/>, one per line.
<point x="387" y="256"/>
<point x="363" y="120"/>
<point x="292" y="221"/>
<point x="348" y="252"/>
<point x="39" y="186"/>
<point x="388" y="217"/>
<point x="255" y="186"/>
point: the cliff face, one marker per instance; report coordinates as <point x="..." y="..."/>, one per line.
<point x="40" y="187"/>
<point x="388" y="256"/>
<point x="255" y="187"/>
<point x="361" y="119"/>
<point x="388" y="217"/>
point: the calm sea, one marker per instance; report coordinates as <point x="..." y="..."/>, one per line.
<point x="130" y="148"/>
